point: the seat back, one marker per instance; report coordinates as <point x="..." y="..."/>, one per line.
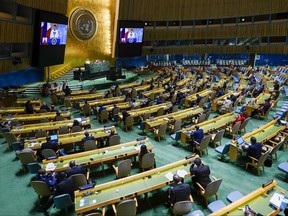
<point x="148" y="161"/>
<point x="173" y="99"/>
<point x="33" y="167"/>
<point x="236" y="128"/>
<point x="276" y="148"/>
<point x="160" y="111"/>
<point x="44" y="120"/>
<point x="114" y="140"/>
<point x="181" y="102"/>
<point x="226" y="149"/>
<point x="152" y="96"/>
<point x="67" y="102"/>
<point x="126" y="207"/>
<point x="54" y="99"/>
<point x="213" y="95"/>
<point x="212" y="188"/>
<point x="41" y="134"/>
<point x="262" y="159"/>
<point x="104" y="115"/>
<point x="116" y="111"/>
<point x="162" y="129"/>
<point x="218" y="137"/>
<point x="90" y="145"/>
<point x="41" y="188"/>
<point x="129" y="121"/>
<point x="201" y="118"/>
<point x="86" y="109"/>
<point x="10" y="138"/>
<point x="146" y="116"/>
<point x="182" y="207"/>
<point x="76" y="129"/>
<point x="63" y="130"/>
<point x="60" y="118"/>
<point x="14" y="123"/>
<point x="124" y="168"/>
<point x="177" y="125"/>
<point x="26" y="158"/>
<point x="42" y="111"/>
<point x="133" y="93"/>
<point x="207" y="115"/>
<point x="48" y="153"/>
<point x="205" y="142"/>
<point x="117" y="92"/>
<point x="175" y="108"/>
<point x="201" y="102"/>
<point x="244" y="124"/>
<point x="62" y="201"/>
<point x="79" y="180"/>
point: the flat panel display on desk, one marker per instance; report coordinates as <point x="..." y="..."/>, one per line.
<point x="50" y="35"/>
<point x="130" y="38"/>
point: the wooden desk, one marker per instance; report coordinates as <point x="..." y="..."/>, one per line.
<point x="86" y="97"/>
<point x="262" y="134"/>
<point x="172" y="117"/>
<point x="69" y="138"/>
<point x="127" y="85"/>
<point x="138" y="88"/>
<point x="122" y="106"/>
<point x="155" y="91"/>
<point x="73" y="93"/>
<point x="192" y="98"/>
<point x="150" y="109"/>
<point x="104" y="101"/>
<point x="132" y="186"/>
<point x="16" y="110"/>
<point x="26" y="118"/>
<point x="218" y="101"/>
<point x="22" y="101"/>
<point x="258" y="200"/>
<point x="256" y="102"/>
<point x="210" y="125"/>
<point x="100" y="156"/>
<point x="33" y="128"/>
<point x="220" y="83"/>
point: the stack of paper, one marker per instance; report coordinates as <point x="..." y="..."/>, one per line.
<point x="279" y="201"/>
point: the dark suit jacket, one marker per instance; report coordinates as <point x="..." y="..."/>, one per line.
<point x="87" y="138"/>
<point x="66" y="186"/>
<point x="76" y="170"/>
<point x="201" y="175"/>
<point x="50" y="145"/>
<point x="254" y="150"/>
<point x="198" y="135"/>
<point x="180" y="192"/>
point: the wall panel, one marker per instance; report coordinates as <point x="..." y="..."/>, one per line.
<point x="147" y="10"/>
<point x="15" y="33"/>
<point x="217" y="32"/>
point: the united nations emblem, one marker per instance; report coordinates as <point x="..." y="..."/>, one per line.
<point x="83" y="24"/>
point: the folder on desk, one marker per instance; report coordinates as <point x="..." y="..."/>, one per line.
<point x="279" y="201"/>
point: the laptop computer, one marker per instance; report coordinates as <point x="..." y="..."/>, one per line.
<point x="54" y="138"/>
<point x="240" y="141"/>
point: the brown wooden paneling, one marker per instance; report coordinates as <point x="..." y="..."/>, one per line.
<point x="153" y="10"/>
<point x="57" y="6"/>
<point x="277" y="49"/>
<point x="217" y="32"/>
<point x="15" y="33"/>
<point x="6" y="65"/>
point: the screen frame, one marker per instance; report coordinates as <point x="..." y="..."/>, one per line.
<point x="124" y="50"/>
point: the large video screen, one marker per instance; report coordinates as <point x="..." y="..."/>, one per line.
<point x="130" y="38"/>
<point x="53" y="34"/>
<point x="50" y="37"/>
<point x="131" y="35"/>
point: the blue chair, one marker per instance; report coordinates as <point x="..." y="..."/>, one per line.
<point x="142" y="127"/>
<point x="62" y="201"/>
<point x="33" y="167"/>
<point x="16" y="146"/>
<point x="176" y="136"/>
<point x="222" y="150"/>
<point x="284" y="168"/>
<point x="216" y="205"/>
<point x="234" y="196"/>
